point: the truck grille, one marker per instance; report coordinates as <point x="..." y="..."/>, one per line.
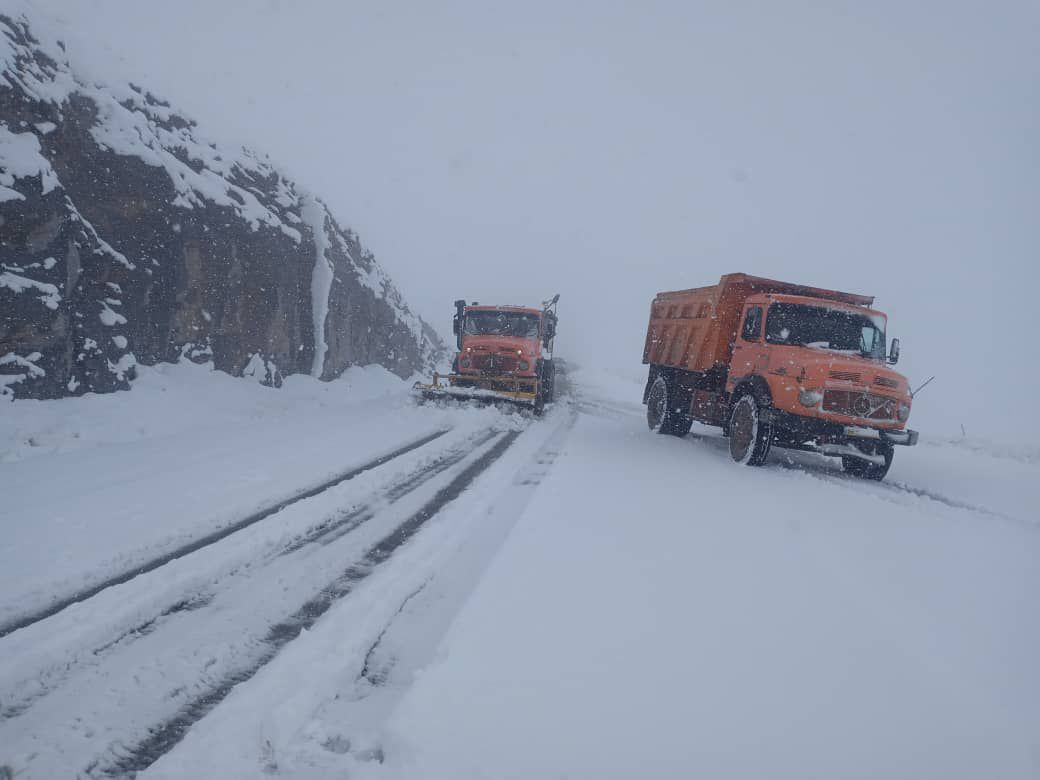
<point x="494" y="364"/>
<point x="846" y="376"/>
<point x="854" y="404"/>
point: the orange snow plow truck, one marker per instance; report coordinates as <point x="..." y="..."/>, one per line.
<point x="778" y="364"/>
<point x="505" y="353"/>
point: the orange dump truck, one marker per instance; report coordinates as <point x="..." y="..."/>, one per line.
<point x="778" y="364"/>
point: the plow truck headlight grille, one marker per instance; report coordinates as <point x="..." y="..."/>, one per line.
<point x="810" y="398"/>
<point x="853" y="403"/>
<point x="904" y="412"/>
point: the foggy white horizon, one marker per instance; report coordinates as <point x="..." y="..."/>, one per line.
<point x="607" y="151"/>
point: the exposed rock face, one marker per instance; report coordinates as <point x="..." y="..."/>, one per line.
<point x="124" y="237"/>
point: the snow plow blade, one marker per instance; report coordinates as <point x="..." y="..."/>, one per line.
<point x="522" y="391"/>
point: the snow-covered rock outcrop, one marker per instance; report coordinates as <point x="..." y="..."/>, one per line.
<point x="125" y="236"/>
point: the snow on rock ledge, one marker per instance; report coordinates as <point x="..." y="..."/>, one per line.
<point x="126" y="237"/>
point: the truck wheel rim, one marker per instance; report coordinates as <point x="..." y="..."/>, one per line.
<point x="743" y="430"/>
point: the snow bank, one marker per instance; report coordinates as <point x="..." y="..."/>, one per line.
<point x="176" y="398"/>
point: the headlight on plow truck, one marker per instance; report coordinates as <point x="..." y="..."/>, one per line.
<point x="810" y="398"/>
<point x="464" y="363"/>
<point x="904" y="412"/>
<point x="524" y="365"/>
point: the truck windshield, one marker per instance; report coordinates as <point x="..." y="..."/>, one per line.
<point x="822" y="328"/>
<point x="501" y="323"/>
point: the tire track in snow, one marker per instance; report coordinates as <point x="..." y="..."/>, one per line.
<point x="886" y="490"/>
<point x="889" y="491"/>
<point x="335" y="528"/>
<point x="64" y="602"/>
<point x="525" y="482"/>
<point x="164" y="736"/>
<point x="324" y="533"/>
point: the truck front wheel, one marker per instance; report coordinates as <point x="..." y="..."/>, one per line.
<point x="661" y="416"/>
<point x="750" y="432"/>
<point x="548" y="381"/>
<point x="864" y="469"/>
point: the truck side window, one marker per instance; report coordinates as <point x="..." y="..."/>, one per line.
<point x="752" y="324"/>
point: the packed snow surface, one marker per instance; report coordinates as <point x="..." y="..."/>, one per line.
<point x="193" y="450"/>
<point x="659" y="612"/>
<point x="599" y="602"/>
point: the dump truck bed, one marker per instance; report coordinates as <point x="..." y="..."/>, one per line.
<point x="695" y="329"/>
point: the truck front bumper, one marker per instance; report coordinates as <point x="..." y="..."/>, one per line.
<point x="803" y="429"/>
<point x="904" y="438"/>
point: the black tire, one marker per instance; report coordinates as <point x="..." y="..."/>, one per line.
<point x="864" y="469"/>
<point x="661" y="414"/>
<point x="750" y="431"/>
<point x="548" y="382"/>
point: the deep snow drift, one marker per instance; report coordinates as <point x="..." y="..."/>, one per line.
<point x="598" y="602"/>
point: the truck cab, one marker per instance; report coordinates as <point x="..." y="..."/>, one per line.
<point x="499" y="340"/>
<point x="821" y="360"/>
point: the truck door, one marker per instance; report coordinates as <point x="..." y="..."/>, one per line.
<point x="749" y="353"/>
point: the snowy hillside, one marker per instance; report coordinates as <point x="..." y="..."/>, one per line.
<point x="129" y="237"/>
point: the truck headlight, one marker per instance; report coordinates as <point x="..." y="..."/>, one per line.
<point x="524" y="365"/>
<point x="464" y="363"/>
<point x="810" y="398"/>
<point x="904" y="412"/>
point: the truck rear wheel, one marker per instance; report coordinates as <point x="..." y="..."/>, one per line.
<point x="864" y="469"/>
<point x="750" y="432"/>
<point x="661" y="414"/>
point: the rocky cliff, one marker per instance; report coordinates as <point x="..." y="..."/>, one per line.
<point x="127" y="237"/>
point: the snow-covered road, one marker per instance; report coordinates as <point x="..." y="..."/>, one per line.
<point x="567" y="597"/>
<point x="661" y="613"/>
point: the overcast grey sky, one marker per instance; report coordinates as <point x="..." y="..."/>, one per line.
<point x="503" y="152"/>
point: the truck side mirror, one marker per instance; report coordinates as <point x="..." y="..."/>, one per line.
<point x="456" y="325"/>
<point x="893" y="352"/>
